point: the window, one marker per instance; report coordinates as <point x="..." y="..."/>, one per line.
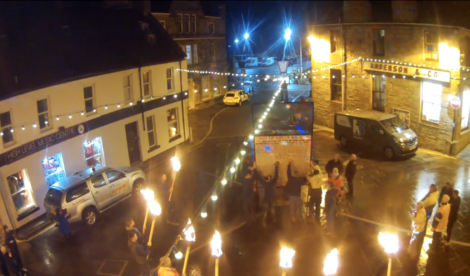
<point x="21" y="192"/>
<point x="186" y="24"/>
<point x="7" y="129"/>
<point x="465" y="109"/>
<point x="431" y="102"/>
<point x="378" y="102"/>
<point x="378" y="42"/>
<point x="114" y="175"/>
<point x="193" y="23"/>
<point x="162" y="22"/>
<point x="334" y="40"/>
<point x="54" y="197"/>
<point x="169" y="79"/>
<point x="211" y="27"/>
<point x="53" y="169"/>
<point x="172" y="118"/>
<point x="77" y="192"/>
<point x="98" y="181"/>
<point x="195" y="53"/>
<point x="127" y="88"/>
<point x="336" y="89"/>
<point x="94" y="152"/>
<point x="188" y="54"/>
<point x="152" y="135"/>
<point x="43" y="114"/>
<point x="88" y="94"/>
<point x="147" y="80"/>
<point x="213" y="51"/>
<point x="431" y="49"/>
<point x="179" y="23"/>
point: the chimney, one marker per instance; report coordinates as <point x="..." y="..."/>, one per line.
<point x="405" y="11"/>
<point x="356" y="11"/>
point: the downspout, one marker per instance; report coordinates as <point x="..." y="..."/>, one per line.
<point x="182" y="106"/>
<point x="141" y="97"/>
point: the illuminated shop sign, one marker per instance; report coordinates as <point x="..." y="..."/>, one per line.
<point x="431" y="74"/>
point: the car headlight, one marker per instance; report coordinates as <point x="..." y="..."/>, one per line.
<point x="398" y="140"/>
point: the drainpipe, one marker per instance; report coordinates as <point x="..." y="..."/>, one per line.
<point x="453" y="133"/>
<point x="141" y="97"/>
<point x="182" y="106"/>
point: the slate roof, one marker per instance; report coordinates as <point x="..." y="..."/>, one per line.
<point x="47" y="48"/>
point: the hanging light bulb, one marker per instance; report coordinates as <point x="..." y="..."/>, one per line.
<point x="232" y="169"/>
<point x="22" y="128"/>
<point x="12" y="130"/>
<point x="245" y="143"/>
<point x="118" y="106"/>
<point x="130" y="103"/>
<point x="237" y="161"/>
<point x="242" y="152"/>
<point x="214" y="197"/>
<point x="70" y="116"/>
<point x="203" y="213"/>
<point x="256" y="131"/>
<point x="34" y="125"/>
<point x="250" y="137"/>
<point x="260" y="126"/>
<point x="164" y="98"/>
<point x="224" y="182"/>
<point x="57" y="118"/>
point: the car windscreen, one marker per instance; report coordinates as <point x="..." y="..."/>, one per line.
<point x="229" y="95"/>
<point x="54" y="197"/>
<point x="394" y="125"/>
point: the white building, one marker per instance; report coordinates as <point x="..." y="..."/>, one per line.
<point x="117" y="114"/>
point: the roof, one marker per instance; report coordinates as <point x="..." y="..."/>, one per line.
<point x="49" y="48"/>
<point x="75" y="179"/>
<point x="367" y="114"/>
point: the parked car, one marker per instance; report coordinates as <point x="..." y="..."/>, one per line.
<point x="384" y="133"/>
<point x="86" y="194"/>
<point x="236" y="97"/>
<point x="251" y="62"/>
<point x="267" y="61"/>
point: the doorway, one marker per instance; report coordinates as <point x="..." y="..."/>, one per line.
<point x="133" y="146"/>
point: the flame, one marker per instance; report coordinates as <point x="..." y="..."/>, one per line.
<point x="148" y="195"/>
<point x="189" y="233"/>
<point x="216" y="245"/>
<point x="331" y="263"/>
<point x="286" y="257"/>
<point x="176" y="163"/>
<point x="154" y="208"/>
<point x="389" y="242"/>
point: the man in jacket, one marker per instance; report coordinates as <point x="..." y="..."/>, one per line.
<point x="314" y="178"/>
<point x="429" y="201"/>
<point x="140" y="253"/>
<point x="453" y="214"/>
<point x="330" y="207"/>
<point x="249" y="194"/>
<point x="350" y="173"/>
<point x="446" y="190"/>
<point x="293" y="191"/>
<point x="130" y="228"/>
<point x="419" y="231"/>
<point x="439" y="224"/>
<point x="10" y="241"/>
<point x="334" y="163"/>
<point x="269" y="199"/>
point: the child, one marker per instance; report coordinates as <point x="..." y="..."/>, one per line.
<point x="130" y="228"/>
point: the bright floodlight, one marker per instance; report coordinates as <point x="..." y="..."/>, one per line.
<point x="286" y="257"/>
<point x="154" y="208"/>
<point x="176" y="163"/>
<point x="287" y="34"/>
<point x="246" y="36"/>
<point x="310" y="39"/>
<point x="216" y="245"/>
<point x="389" y="242"/>
<point x="331" y="263"/>
<point x="189" y="233"/>
<point x="236" y="40"/>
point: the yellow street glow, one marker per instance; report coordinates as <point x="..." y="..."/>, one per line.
<point x="224" y="182"/>
<point x="286" y="257"/>
<point x="389" y="242"/>
<point x="331" y="263"/>
<point x="216" y="245"/>
<point x="154" y="208"/>
<point x="175" y="163"/>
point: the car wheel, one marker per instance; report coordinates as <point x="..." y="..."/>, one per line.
<point x="388" y="153"/>
<point x="89" y="216"/>
<point x="343" y="141"/>
<point x="137" y="186"/>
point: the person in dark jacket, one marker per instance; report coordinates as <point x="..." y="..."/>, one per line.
<point x="249" y="195"/>
<point x="284" y="92"/>
<point x="4" y="265"/>
<point x="293" y="191"/>
<point x="269" y="199"/>
<point x="140" y="253"/>
<point x="330" y="207"/>
<point x="350" y="173"/>
<point x="165" y="190"/>
<point x="13" y="268"/>
<point x="453" y="214"/>
<point x="62" y="218"/>
<point x="13" y="246"/>
<point x="130" y="228"/>
<point x="446" y="190"/>
<point x="334" y="163"/>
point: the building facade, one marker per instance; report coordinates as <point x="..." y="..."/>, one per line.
<point x="415" y="70"/>
<point x="202" y="38"/>
<point x="126" y="114"/>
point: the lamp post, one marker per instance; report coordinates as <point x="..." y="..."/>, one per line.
<point x="331" y="263"/>
<point x="216" y="245"/>
<point x="156" y="210"/>
<point x="175" y="162"/>
<point x="189" y="236"/>
<point x="390" y="244"/>
<point x="246" y="35"/>
<point x="149" y="197"/>
<point x="286" y="259"/>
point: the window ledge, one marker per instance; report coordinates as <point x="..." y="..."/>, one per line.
<point x="153" y="148"/>
<point x="429" y="124"/>
<point x="465" y="131"/>
<point x="336" y="102"/>
<point x="27" y="213"/>
<point x="175" y="138"/>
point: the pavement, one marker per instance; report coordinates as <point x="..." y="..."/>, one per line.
<point x="385" y="193"/>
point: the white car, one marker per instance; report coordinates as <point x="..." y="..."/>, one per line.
<point x="236" y="97"/>
<point x="267" y="61"/>
<point x="251" y="62"/>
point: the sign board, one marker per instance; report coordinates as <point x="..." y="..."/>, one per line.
<point x="455" y="102"/>
<point x="431" y="74"/>
<point x="269" y="149"/>
<point x="403" y="115"/>
<point x="283" y="66"/>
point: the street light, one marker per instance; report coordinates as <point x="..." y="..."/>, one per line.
<point x="236" y="40"/>
<point x="216" y="245"/>
<point x="331" y="263"/>
<point x="286" y="259"/>
<point x="176" y="167"/>
<point x="287" y="34"/>
<point x="149" y="196"/>
<point x="390" y="244"/>
<point x="189" y="236"/>
<point x="246" y="36"/>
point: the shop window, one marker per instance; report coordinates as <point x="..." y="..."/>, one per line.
<point x="94" y="155"/>
<point x="188" y="54"/>
<point x="465" y="109"/>
<point x="186" y="24"/>
<point x="77" y="192"/>
<point x="162" y="22"/>
<point x="21" y="192"/>
<point x="334" y="40"/>
<point x="211" y="27"/>
<point x="193" y="23"/>
<point x="7" y="129"/>
<point x="89" y="97"/>
<point x="53" y="169"/>
<point x="431" y="102"/>
<point x="43" y="114"/>
<point x="431" y="49"/>
<point x="378" y="42"/>
<point x="335" y="81"/>
<point x="98" y="181"/>
<point x="179" y="23"/>
<point x="169" y="78"/>
<point x="127" y="88"/>
<point x="151" y="133"/>
<point x="147" y="80"/>
<point x="378" y="102"/>
<point x="114" y="175"/>
<point x="172" y="118"/>
<point x="195" y="53"/>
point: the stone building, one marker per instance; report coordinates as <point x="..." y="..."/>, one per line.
<point x="407" y="67"/>
<point x="202" y="38"/>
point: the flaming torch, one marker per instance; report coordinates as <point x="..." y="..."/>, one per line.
<point x="331" y="263"/>
<point x="390" y="244"/>
<point x="175" y="162"/>
<point x="189" y="236"/>
<point x="286" y="259"/>
<point x="216" y="245"/>
<point x="156" y="210"/>
<point x="149" y="197"/>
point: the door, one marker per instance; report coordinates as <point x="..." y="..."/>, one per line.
<point x="375" y="136"/>
<point x="133" y="146"/>
<point x="119" y="184"/>
<point x="101" y="191"/>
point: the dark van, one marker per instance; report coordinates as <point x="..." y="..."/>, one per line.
<point x="383" y="133"/>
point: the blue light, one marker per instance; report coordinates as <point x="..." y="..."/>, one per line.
<point x="246" y="36"/>
<point x="287" y="34"/>
<point x="267" y="148"/>
<point x="236" y="40"/>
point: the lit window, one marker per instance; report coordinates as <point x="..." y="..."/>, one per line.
<point x="335" y="81"/>
<point x="334" y="40"/>
<point x="193" y="23"/>
<point x="378" y="42"/>
<point x="179" y="22"/>
<point x="378" y="102"/>
<point x="151" y="133"/>
<point x="89" y="97"/>
<point x="94" y="152"/>
<point x="172" y="118"/>
<point x="465" y="109"/>
<point x="43" y="114"/>
<point x="431" y="49"/>
<point x="147" y="80"/>
<point x="431" y="102"/>
<point x="195" y="53"/>
<point x="211" y="27"/>
<point x="53" y="169"/>
<point x="186" y="23"/>
<point x="21" y="192"/>
<point x="162" y="22"/>
<point x="188" y="54"/>
<point x="169" y="79"/>
<point x="7" y="134"/>
<point x="127" y="88"/>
